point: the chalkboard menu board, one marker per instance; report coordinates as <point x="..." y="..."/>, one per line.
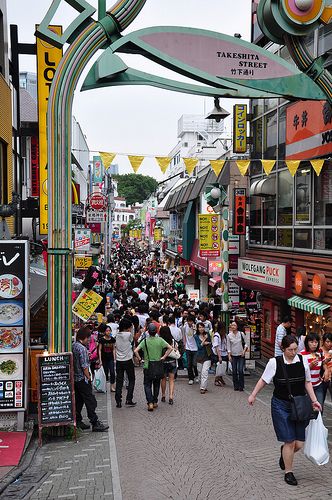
<point x="56" y="399"/>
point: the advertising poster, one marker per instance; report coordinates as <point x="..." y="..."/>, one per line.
<point x="86" y="304"/>
<point x="97" y="169"/>
<point x="82" y="240"/>
<point x="14" y="324"/>
<point x="83" y="261"/>
<point x="209" y="235"/>
<point x="157" y="234"/>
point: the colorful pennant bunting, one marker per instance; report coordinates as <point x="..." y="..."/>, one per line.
<point x="268" y="166"/>
<point x="292" y="166"/>
<point x="243" y="166"/>
<point x="217" y="166"/>
<point x="107" y="159"/>
<point x="317" y="165"/>
<point x="135" y="162"/>
<point x="190" y="164"/>
<point x="163" y="162"/>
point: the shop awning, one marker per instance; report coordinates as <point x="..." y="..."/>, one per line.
<point x="214" y="281"/>
<point x="38" y="292"/>
<point x="197" y="261"/>
<point x="308" y="305"/>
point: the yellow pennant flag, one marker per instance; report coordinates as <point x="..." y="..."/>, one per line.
<point x="163" y="162"/>
<point x="292" y="166"/>
<point x="317" y="165"/>
<point x="107" y="158"/>
<point x="217" y="166"/>
<point x="243" y="166"/>
<point x="268" y="166"/>
<point x="190" y="164"/>
<point x="135" y="162"/>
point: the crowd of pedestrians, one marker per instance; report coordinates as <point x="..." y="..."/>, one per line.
<point x="153" y="324"/>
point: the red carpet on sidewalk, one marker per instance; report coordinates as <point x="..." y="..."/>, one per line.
<point x="11" y="447"/>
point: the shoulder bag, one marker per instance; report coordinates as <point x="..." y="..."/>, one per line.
<point x="175" y="353"/>
<point x="301" y="406"/>
<point x="155" y="368"/>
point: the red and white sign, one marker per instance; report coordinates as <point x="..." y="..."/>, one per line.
<point x="97" y="201"/>
<point x="93" y="216"/>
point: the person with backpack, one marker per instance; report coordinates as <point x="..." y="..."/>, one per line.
<point x="236" y="348"/>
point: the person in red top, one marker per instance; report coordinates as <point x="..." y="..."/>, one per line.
<point x="314" y="355"/>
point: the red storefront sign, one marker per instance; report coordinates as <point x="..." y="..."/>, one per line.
<point x="239" y="223"/>
<point x="97" y="201"/>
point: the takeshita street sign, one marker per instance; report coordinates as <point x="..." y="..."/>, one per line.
<point x="86" y="36"/>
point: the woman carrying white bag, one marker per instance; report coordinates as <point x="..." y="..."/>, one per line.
<point x="316" y="447"/>
<point x="99" y="380"/>
<point x="219" y="348"/>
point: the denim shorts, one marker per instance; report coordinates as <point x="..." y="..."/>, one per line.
<point x="169" y="367"/>
<point x="286" y="429"/>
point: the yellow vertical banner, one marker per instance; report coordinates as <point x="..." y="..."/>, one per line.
<point x="209" y="235"/>
<point x="190" y="164"/>
<point x="240" y="128"/>
<point x="48" y="58"/>
<point x="157" y="234"/>
<point x="217" y="166"/>
<point x="292" y="166"/>
<point x="135" y="162"/>
<point x="163" y="162"/>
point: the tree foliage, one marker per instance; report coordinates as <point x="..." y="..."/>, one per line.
<point x="135" y="187"/>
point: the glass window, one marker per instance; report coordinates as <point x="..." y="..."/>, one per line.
<point x="303" y="238"/>
<point x="269" y="210"/>
<point x="256" y="132"/>
<point x="285" y="198"/>
<point x="285" y="237"/>
<point x="255" y="236"/>
<point x="255" y="167"/>
<point x="282" y="132"/>
<point x="269" y="237"/>
<point x="303" y="195"/>
<point x="255" y="208"/>
<point x="257" y="107"/>
<point x="323" y="197"/>
<point x="324" y="39"/>
<point x="270" y="103"/>
<point x="270" y="135"/>
<point x="323" y="239"/>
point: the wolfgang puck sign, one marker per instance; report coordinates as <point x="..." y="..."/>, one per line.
<point x="266" y="273"/>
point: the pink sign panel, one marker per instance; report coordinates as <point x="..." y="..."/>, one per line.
<point x="218" y="57"/>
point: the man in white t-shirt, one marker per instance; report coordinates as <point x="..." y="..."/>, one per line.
<point x="280" y="334"/>
<point x="124" y="362"/>
<point x="188" y="332"/>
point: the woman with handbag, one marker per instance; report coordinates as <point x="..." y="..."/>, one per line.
<point x="314" y="356"/>
<point x="153" y="364"/>
<point x="204" y="350"/>
<point x="170" y="365"/>
<point x="237" y="347"/>
<point x="291" y="376"/>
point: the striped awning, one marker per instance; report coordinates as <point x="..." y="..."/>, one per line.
<point x="311" y="306"/>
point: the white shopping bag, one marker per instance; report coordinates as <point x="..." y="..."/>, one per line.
<point x="99" y="380"/>
<point x="221" y="369"/>
<point x="315" y="447"/>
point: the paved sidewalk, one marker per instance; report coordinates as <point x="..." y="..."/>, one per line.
<point x="203" y="447"/>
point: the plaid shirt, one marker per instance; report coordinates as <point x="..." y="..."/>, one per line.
<point x="81" y="361"/>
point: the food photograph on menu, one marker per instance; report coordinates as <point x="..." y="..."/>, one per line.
<point x="11" y="286"/>
<point x="11" y="367"/>
<point x="11" y="313"/>
<point x="11" y="339"/>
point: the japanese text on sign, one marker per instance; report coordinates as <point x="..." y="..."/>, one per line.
<point x="209" y="235"/>
<point x="240" y="128"/>
<point x="86" y="303"/>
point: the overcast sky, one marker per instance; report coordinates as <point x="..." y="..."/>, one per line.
<point x="138" y="120"/>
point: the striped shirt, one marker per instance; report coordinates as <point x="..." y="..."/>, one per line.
<point x="315" y="371"/>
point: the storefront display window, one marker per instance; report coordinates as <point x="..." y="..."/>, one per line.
<point x="285" y="198"/>
<point x="267" y="324"/>
<point x="255" y="210"/>
<point x="323" y="239"/>
<point x="255" y="236"/>
<point x="303" y="195"/>
<point x="317" y="324"/>
<point x="323" y="197"/>
<point x="285" y="237"/>
<point x="269" y="210"/>
<point x="269" y="237"/>
<point x="282" y="132"/>
<point x="303" y="238"/>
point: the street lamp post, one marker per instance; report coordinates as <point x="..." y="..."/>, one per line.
<point x="220" y="196"/>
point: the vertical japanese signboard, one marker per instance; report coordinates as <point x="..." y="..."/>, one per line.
<point x="157" y="234"/>
<point x="34" y="158"/>
<point x="14" y="324"/>
<point x="209" y="235"/>
<point x="86" y="304"/>
<point x="240" y="128"/>
<point x="48" y="58"/>
<point x="97" y="169"/>
<point x="239" y="212"/>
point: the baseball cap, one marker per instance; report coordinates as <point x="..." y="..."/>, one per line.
<point x="152" y="328"/>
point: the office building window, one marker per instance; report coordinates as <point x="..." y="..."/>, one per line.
<point x="303" y="238"/>
<point x="323" y="197"/>
<point x="303" y="195"/>
<point x="285" y="198"/>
